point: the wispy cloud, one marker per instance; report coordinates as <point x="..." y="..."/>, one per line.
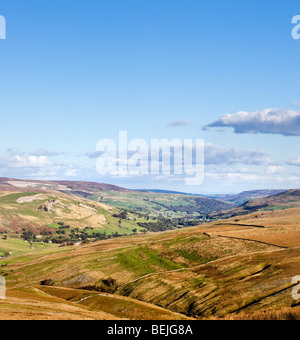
<point x="38" y="166"/>
<point x="15" y="152"/>
<point x="275" y="169"/>
<point x="296" y="103"/>
<point x="294" y="162"/>
<point x="29" y="162"/>
<point x="38" y="153"/>
<point x="268" y="121"/>
<point x="179" y="123"/>
<point x="94" y="154"/>
<point x="216" y="154"/>
<point x="46" y="153"/>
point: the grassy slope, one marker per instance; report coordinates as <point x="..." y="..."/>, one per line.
<point x="20" y="209"/>
<point x="168" y="204"/>
<point x="213" y="270"/>
<point x="19" y="247"/>
<point x="246" y="196"/>
<point x="50" y="303"/>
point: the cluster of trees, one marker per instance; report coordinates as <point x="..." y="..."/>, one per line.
<point x="29" y="236"/>
<point x="163" y="224"/>
<point x="122" y="215"/>
<point x="199" y="205"/>
<point x="187" y="222"/>
<point x="6" y="254"/>
<point x="66" y="235"/>
<point x="253" y="208"/>
<point x="106" y="286"/>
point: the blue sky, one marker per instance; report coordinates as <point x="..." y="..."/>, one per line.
<point x="74" y="72"/>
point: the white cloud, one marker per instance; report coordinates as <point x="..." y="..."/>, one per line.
<point x="46" y="153"/>
<point x="29" y="162"/>
<point x="216" y="154"/>
<point x="71" y="173"/>
<point x="232" y="177"/>
<point x="294" y="162"/>
<point x="39" y="167"/>
<point x="275" y="169"/>
<point x="179" y="123"/>
<point x="268" y="121"/>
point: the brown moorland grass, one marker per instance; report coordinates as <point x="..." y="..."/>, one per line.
<point x="54" y="303"/>
<point x="291" y="314"/>
<point x="191" y="271"/>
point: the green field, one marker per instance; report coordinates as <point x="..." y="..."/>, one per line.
<point x="20" y="247"/>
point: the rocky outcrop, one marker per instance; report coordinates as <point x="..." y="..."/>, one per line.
<point x="48" y="206"/>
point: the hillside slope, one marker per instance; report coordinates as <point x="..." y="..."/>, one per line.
<point x="153" y="204"/>
<point x="47" y="217"/>
<point x="38" y="214"/>
<point x="246" y="196"/>
<point x="214" y="270"/>
<point x="281" y="201"/>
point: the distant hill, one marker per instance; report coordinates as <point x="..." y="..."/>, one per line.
<point x="159" y="191"/>
<point x="67" y="186"/>
<point x="281" y="201"/>
<point x="236" y="199"/>
<point x="246" y="196"/>
<point x="168" y="205"/>
<point x="59" y="218"/>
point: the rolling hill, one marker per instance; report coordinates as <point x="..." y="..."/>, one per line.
<point x="281" y="201"/>
<point x="38" y="219"/>
<point x="234" y="199"/>
<point x="224" y="269"/>
<point x="246" y="196"/>
<point x="169" y="205"/>
<point x="240" y="265"/>
<point x="39" y="214"/>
